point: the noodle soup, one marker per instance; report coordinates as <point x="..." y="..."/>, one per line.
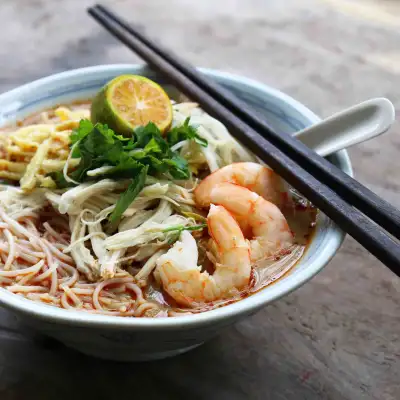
<point x="208" y="225"/>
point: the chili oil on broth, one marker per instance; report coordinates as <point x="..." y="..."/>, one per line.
<point x="123" y="290"/>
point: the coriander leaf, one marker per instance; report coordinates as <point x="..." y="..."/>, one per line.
<point x="126" y="168"/>
<point x="97" y="148"/>
<point x="185" y="132"/>
<point x="138" y="154"/>
<point x="177" y="167"/>
<point x="122" y="138"/>
<point x="84" y="128"/>
<point x="95" y="135"/>
<point x="86" y="163"/>
<point x="173" y="136"/>
<point x="126" y="198"/>
<point x="153" y="146"/>
<point x="144" y="134"/>
<point x="98" y="141"/>
<point x="201" y="141"/>
<point x="155" y="164"/>
<point x="130" y="144"/>
<point x="93" y="151"/>
<point x="151" y="149"/>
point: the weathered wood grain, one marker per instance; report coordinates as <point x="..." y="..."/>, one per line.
<point x="335" y="338"/>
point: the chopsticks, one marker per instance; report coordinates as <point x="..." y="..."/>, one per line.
<point x="355" y="193"/>
<point x="310" y="181"/>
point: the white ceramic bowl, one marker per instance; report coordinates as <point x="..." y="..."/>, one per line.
<point x="131" y="339"/>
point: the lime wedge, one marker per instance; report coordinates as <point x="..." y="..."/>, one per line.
<point x="129" y="101"/>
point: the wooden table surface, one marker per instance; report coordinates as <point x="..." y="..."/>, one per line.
<point x="337" y="337"/>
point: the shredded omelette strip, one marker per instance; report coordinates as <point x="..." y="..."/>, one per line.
<point x="31" y="152"/>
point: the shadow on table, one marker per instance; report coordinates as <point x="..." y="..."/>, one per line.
<point x="251" y="360"/>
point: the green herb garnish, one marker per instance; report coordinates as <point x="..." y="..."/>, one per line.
<point x="178" y="229"/>
<point x="145" y="152"/>
<point x="128" y="196"/>
<point x="185" y="132"/>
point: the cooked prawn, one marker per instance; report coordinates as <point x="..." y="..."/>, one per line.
<point x="183" y="279"/>
<point x="269" y="228"/>
<point x="255" y="177"/>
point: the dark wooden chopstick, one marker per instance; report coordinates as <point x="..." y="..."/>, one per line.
<point x="368" y="234"/>
<point x="355" y="193"/>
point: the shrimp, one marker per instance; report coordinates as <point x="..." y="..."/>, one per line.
<point x="255" y="177"/>
<point x="182" y="278"/>
<point x="268" y="226"/>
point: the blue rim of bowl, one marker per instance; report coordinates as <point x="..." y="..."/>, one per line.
<point x="243" y="307"/>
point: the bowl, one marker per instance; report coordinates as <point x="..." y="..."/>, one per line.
<point x="138" y="339"/>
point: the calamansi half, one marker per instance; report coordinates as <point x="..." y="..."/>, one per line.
<point x="129" y="101"/>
